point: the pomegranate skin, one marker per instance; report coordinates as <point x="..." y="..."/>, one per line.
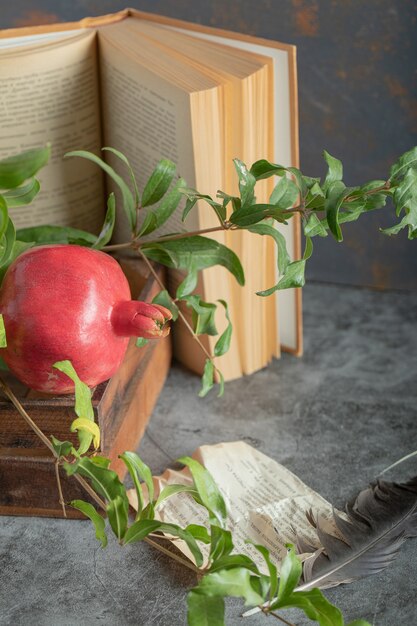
<point x="57" y="302"/>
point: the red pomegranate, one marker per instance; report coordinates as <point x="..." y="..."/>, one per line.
<point x="68" y="302"/>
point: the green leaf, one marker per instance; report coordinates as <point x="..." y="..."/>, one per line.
<point x="117" y="513"/>
<point x="308" y="250"/>
<point x="164" y="210"/>
<point x="142" y="528"/>
<point x="196" y="252"/>
<point x="335" y="170"/>
<point x="227" y="198"/>
<point x="293" y="277"/>
<point x="98" y="521"/>
<point x="221" y="543"/>
<point x="334" y="200"/>
<point x="231" y="561"/>
<point x="202" y="315"/>
<point x="83" y="406"/>
<point x="135" y="476"/>
<point x="372" y="185"/>
<point x="208" y="491"/>
<point x="405" y="199"/>
<point x="164" y="299"/>
<point x="148" y="512"/>
<point x="7" y="243"/>
<point x="255" y="213"/>
<point x="158" y="182"/>
<point x="264" y="169"/>
<point x="402" y="165"/>
<point x="103" y="480"/>
<point x="290" y="573"/>
<point x="363" y="204"/>
<point x="16" y="169"/>
<point x="149" y="224"/>
<point x="101" y="461"/>
<point x="300" y="180"/>
<point x="314" y="227"/>
<point x="272" y="569"/>
<point x="82" y="424"/>
<point x="189" y="283"/>
<point x="3" y="340"/>
<point x="123" y="158"/>
<point x="359" y="622"/>
<point x="314" y="605"/>
<point x="172" y="490"/>
<point x="109" y="221"/>
<point x="207" y="381"/>
<point x="283" y="257"/>
<point x="204" y="610"/>
<point x="193" y="196"/>
<point x="200" y="533"/>
<point x="127" y="196"/>
<point x="62" y="448"/>
<point x="189" y="205"/>
<point x="247" y="182"/>
<point x="4" y="216"/>
<point x="3" y="365"/>
<point x="313" y="185"/>
<point x="139" y="471"/>
<point x="284" y="194"/>
<point x="22" y="195"/>
<point x="141" y="342"/>
<point x="235" y="582"/>
<point x="292" y="274"/>
<point x="55" y="234"/>
<point x="223" y="342"/>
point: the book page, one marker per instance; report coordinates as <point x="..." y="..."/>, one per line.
<point x="266" y="503"/>
<point x="144" y="117"/>
<point x="49" y="93"/>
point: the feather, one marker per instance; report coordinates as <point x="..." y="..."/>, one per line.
<point x="375" y="526"/>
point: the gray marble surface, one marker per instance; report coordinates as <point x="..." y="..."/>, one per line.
<point x="336" y="418"/>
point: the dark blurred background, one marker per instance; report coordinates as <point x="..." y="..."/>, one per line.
<point x="357" y="73"/>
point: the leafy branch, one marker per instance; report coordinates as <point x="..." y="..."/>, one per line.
<point x="225" y="572"/>
<point x="324" y="206"/>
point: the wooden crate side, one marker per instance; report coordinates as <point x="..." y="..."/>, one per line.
<point x="28" y="485"/>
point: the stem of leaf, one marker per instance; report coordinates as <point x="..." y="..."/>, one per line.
<point x="117" y="246"/>
<point x="190" y="234"/>
<point x="58" y="481"/>
<point x="281" y="619"/>
<point x="177" y="558"/>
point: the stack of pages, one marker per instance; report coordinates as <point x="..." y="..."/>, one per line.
<point x="154" y="88"/>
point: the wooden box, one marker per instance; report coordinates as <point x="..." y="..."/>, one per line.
<point x="123" y="406"/>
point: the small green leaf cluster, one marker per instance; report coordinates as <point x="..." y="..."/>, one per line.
<point x="225" y="573"/>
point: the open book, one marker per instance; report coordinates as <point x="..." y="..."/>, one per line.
<point x="154" y="87"/>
